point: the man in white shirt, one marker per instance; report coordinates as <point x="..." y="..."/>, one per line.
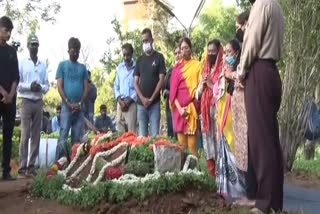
<point x="33" y="84"/>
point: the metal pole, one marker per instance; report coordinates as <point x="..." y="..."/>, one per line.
<point x="188" y="31"/>
<point x="167" y="9"/>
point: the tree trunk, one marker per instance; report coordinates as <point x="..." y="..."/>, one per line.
<point x="309" y="150"/>
<point x="289" y="144"/>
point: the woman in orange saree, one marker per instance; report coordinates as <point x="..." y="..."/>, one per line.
<point x="185" y="108"/>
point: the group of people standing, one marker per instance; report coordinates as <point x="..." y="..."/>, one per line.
<point x="236" y="96"/>
<point x="232" y="101"/>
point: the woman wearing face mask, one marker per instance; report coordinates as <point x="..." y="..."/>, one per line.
<point x="230" y="179"/>
<point x="211" y="72"/>
<point x="183" y="84"/>
<point x="241" y="23"/>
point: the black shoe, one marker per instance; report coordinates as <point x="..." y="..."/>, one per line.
<point x="8" y="177"/>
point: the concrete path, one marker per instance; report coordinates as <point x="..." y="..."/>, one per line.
<point x="301" y="199"/>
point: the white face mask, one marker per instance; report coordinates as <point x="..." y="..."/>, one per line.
<point x="147" y="47"/>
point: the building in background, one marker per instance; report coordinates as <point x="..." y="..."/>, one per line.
<point x="138" y="14"/>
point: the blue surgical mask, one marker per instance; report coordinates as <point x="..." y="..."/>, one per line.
<point x="231" y="60"/>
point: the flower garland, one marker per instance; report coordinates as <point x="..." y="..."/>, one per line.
<point x="126" y="137"/>
<point x="166" y="142"/>
<point x="130" y="179"/>
<point x="83" y="165"/>
<point x="112" y="163"/>
<point x="187" y="162"/>
<point x="103" y="154"/>
<point x="101" y="138"/>
<point x="72" y="163"/>
<point x="140" y="141"/>
<point x="58" y="165"/>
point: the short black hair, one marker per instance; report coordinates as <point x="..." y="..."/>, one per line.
<point x="148" y="31"/>
<point x="74" y="43"/>
<point x="235" y="45"/>
<point x="216" y="42"/>
<point x="6" y="22"/>
<point x="103" y="107"/>
<point x="58" y="108"/>
<point x="243" y="17"/>
<point x="186" y="40"/>
<point x="128" y="47"/>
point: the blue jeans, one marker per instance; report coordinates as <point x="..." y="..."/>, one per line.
<point x="68" y="120"/>
<point x="146" y="115"/>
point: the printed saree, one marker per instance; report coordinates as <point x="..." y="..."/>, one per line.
<point x="230" y="180"/>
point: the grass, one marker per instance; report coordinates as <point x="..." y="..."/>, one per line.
<point x="311" y="167"/>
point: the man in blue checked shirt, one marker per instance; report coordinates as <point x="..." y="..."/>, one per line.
<point x="125" y="92"/>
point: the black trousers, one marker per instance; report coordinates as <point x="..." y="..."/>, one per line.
<point x="170" y="129"/>
<point x="262" y="99"/>
<point x="8" y="115"/>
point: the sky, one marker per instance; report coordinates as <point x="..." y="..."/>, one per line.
<point x="90" y="21"/>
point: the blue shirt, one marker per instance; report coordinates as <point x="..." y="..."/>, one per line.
<point x="73" y="76"/>
<point x="104" y="122"/>
<point x="55" y="124"/>
<point x="124" y="82"/>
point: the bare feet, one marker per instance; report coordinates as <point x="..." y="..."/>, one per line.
<point x="245" y="202"/>
<point x="256" y="211"/>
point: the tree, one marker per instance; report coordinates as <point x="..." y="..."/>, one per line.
<point x="217" y="21"/>
<point x="52" y="98"/>
<point x="299" y="70"/>
<point x="29" y="13"/>
<point x="84" y="57"/>
<point x="104" y="83"/>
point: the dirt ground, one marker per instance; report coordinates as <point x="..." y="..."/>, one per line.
<point x="303" y="179"/>
<point x="15" y="199"/>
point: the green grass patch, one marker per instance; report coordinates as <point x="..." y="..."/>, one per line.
<point x="308" y="166"/>
<point x="91" y="195"/>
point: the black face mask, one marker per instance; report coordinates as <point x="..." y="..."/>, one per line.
<point x="212" y="59"/>
<point x="239" y="35"/>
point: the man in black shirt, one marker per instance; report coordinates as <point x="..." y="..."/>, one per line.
<point x="148" y="82"/>
<point x="9" y="73"/>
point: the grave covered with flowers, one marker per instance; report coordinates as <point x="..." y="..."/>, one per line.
<point x="127" y="162"/>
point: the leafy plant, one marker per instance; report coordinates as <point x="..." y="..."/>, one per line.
<point x="142" y="153"/>
<point x="138" y="168"/>
<point x="15" y="143"/>
<point x="91" y="195"/>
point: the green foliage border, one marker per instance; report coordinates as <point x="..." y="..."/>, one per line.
<point x="90" y="195"/>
